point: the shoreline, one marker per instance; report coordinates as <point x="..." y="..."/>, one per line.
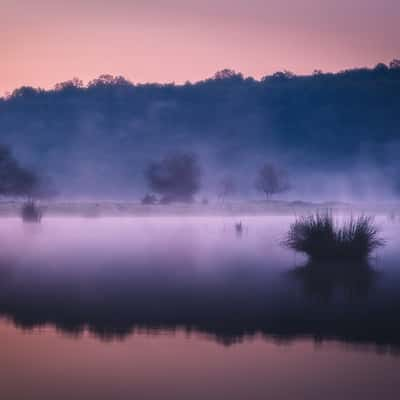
<point x="233" y="208"/>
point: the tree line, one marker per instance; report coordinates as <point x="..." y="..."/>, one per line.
<point x="105" y="131"/>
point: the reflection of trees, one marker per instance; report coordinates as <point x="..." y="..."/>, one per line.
<point x="242" y="301"/>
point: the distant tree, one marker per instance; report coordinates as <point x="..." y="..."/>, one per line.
<point x="74" y="83"/>
<point x="226" y="187"/>
<point x="279" y="76"/>
<point x="381" y="67"/>
<point x="227" y="74"/>
<point x="395" y="64"/>
<point x="271" y="180"/>
<point x="14" y="179"/>
<point x="175" y="178"/>
<point x="25" y="92"/>
<point x="109" y="80"/>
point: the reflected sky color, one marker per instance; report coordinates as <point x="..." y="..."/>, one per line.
<point x="47" y="41"/>
<point x="175" y="367"/>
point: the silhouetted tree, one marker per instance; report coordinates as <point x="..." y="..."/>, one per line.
<point x="14" y="179"/>
<point x="271" y="180"/>
<point x="279" y="76"/>
<point x="381" y="67"/>
<point x="109" y="80"/>
<point x="176" y="177"/>
<point x="226" y="187"/>
<point x="227" y="74"/>
<point x="74" y="83"/>
<point x="26" y="92"/>
<point x="395" y="64"/>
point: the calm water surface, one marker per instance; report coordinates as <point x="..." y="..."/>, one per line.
<point x="159" y="308"/>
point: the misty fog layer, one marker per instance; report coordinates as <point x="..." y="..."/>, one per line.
<point x="337" y="135"/>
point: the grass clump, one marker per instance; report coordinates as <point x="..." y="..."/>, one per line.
<point x="323" y="239"/>
<point x="30" y="212"/>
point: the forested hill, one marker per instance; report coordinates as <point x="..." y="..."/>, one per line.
<point x="105" y="132"/>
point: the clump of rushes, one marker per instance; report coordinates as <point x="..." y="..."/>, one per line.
<point x="322" y="239"/>
<point x="30" y="212"/>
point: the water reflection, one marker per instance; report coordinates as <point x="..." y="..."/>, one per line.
<point x="325" y="282"/>
<point x="116" y="278"/>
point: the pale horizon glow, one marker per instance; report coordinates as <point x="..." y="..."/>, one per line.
<point x="49" y="41"/>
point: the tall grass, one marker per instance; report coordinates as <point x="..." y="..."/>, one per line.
<point x="323" y="239"/>
<point x="30" y="212"/>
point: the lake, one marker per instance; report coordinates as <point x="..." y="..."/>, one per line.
<point x="186" y="307"/>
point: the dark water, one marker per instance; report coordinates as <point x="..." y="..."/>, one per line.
<point x="186" y="308"/>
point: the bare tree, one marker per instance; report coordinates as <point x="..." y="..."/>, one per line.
<point x="226" y="187"/>
<point x="175" y="178"/>
<point x="271" y="180"/>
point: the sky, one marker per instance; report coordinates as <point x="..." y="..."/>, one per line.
<point x="43" y="42"/>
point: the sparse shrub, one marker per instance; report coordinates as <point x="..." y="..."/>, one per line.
<point x="30" y="212"/>
<point x="149" y="199"/>
<point x="319" y="237"/>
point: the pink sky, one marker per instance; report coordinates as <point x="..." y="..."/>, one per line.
<point x="47" y="41"/>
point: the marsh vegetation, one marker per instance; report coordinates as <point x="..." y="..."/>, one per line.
<point x="30" y="212"/>
<point x="322" y="238"/>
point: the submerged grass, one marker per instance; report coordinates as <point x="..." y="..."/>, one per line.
<point x="323" y="239"/>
